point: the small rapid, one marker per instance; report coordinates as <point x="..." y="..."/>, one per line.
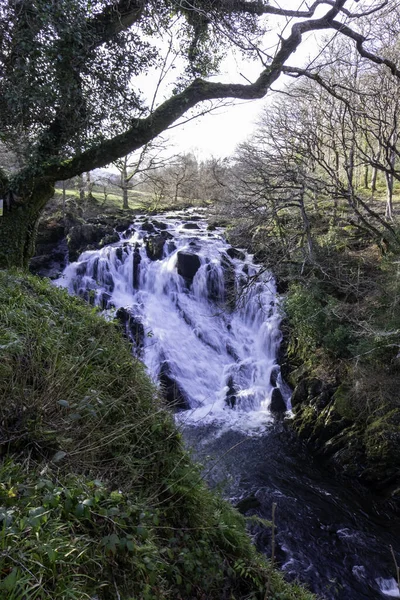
<point x="206" y="322"/>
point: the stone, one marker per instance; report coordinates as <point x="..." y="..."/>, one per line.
<point x="235" y="253"/>
<point x="278" y="405"/>
<point x="147" y="226"/>
<point x="124" y="225"/>
<point x="170" y="389"/>
<point x="190" y="226"/>
<point x="155" y="247"/>
<point x="136" y="267"/>
<point x="188" y="264"/>
<point x="88" y="236"/>
<point x="159" y="224"/>
<point x="248" y="503"/>
<point x="274" y="376"/>
<point x="109" y="239"/>
<point x="230" y="397"/>
<point x="300" y="393"/>
<point x="133" y="328"/>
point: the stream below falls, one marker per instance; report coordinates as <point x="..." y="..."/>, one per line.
<point x="205" y="320"/>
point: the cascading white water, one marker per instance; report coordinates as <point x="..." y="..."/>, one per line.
<point x="204" y="317"/>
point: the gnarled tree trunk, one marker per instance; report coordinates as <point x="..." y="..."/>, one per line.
<point x="18" y="225"/>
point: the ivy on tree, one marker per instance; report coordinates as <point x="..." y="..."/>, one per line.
<point x="68" y="101"/>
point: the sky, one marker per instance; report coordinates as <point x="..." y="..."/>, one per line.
<point x="218" y="133"/>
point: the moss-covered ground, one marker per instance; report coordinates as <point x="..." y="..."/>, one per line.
<point x="98" y="497"/>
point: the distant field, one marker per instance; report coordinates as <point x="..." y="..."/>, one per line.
<point x="136" y="199"/>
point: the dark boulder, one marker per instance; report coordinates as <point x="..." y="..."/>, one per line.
<point x="170" y="389"/>
<point x="171" y="247"/>
<point x="159" y="224"/>
<point x="278" y="404"/>
<point x="300" y="393"/>
<point x="155" y="247"/>
<point x="89" y="236"/>
<point x="133" y="328"/>
<point x="188" y="264"/>
<point x="136" y="266"/>
<point x="147" y="226"/>
<point x="190" y="226"/>
<point x="51" y="261"/>
<point x="215" y="291"/>
<point x="124" y="225"/>
<point x="229" y="282"/>
<point x="274" y="376"/>
<point x="235" y="253"/>
<point x="104" y="300"/>
<point x="248" y="503"/>
<point x="109" y="239"/>
<point x="230" y="397"/>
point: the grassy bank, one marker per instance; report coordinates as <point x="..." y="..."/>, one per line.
<point x="98" y="497"/>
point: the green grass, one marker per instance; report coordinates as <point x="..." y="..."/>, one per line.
<point x="114" y="199"/>
<point x="98" y="497"/>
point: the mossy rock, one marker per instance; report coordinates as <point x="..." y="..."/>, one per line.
<point x="382" y="439"/>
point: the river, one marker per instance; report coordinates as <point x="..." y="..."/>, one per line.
<point x="205" y="320"/>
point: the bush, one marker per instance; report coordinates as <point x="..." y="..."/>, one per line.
<point x="315" y="324"/>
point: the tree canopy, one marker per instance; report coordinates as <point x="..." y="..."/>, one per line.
<point x="69" y="102"/>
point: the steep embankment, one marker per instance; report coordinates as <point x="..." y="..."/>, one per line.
<point x="99" y="499"/>
<point x="341" y="350"/>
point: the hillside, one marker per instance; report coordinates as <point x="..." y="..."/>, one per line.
<point x="99" y="499"/>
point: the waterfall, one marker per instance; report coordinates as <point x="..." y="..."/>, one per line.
<point x="201" y="315"/>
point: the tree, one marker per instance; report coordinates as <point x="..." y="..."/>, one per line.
<point x="68" y="99"/>
<point x="149" y="158"/>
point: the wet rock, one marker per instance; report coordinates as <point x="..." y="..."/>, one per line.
<point x="188" y="264"/>
<point x="119" y="253"/>
<point x="124" y="225"/>
<point x="278" y="404"/>
<point x="51" y="252"/>
<point x="136" y="267"/>
<point x="230" y="397"/>
<point x="248" y="503"/>
<point x="51" y="261"/>
<point x="232" y="352"/>
<point x="229" y="281"/>
<point x="171" y="247"/>
<point x="155" y="247"/>
<point x="215" y="288"/>
<point x="300" y="393"/>
<point x="147" y="226"/>
<point x="104" y="300"/>
<point x="88" y="236"/>
<point x="81" y="268"/>
<point x="274" y="376"/>
<point x="109" y="239"/>
<point x="190" y="226"/>
<point x="132" y="327"/>
<point x="170" y="389"/>
<point x="235" y="253"/>
<point x="159" y="224"/>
